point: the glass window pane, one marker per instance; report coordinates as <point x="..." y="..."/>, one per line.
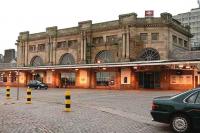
<point x="198" y="99"/>
<point x="105" y="78"/>
<point x="192" y="98"/>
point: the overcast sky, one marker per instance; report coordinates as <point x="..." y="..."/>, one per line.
<point x="35" y="15"/>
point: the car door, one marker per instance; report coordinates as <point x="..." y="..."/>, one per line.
<point x="193" y="108"/>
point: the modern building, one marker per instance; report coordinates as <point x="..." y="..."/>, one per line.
<point x="9" y="55"/>
<point x="128" y="53"/>
<point x="1" y="58"/>
<point x="192" y="19"/>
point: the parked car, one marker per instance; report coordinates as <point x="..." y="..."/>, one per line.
<point x="37" y="84"/>
<point x="181" y="111"/>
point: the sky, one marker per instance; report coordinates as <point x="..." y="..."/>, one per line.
<point x="35" y="15"/>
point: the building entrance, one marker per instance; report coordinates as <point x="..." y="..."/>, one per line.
<point x="68" y="79"/>
<point x="149" y="79"/>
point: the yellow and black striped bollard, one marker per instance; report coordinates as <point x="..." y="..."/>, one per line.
<point x="7" y="92"/>
<point x="29" y="96"/>
<point x="67" y="101"/>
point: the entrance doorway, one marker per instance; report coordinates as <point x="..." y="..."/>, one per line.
<point x="68" y="79"/>
<point x="149" y="79"/>
<point x="38" y="77"/>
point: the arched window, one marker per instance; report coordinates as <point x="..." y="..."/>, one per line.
<point x="67" y="59"/>
<point x="36" y="61"/>
<point x="104" y="57"/>
<point x="149" y="54"/>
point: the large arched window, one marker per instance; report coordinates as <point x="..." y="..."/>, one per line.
<point x="67" y="59"/>
<point x="104" y="57"/>
<point x="36" y="61"/>
<point x="149" y="54"/>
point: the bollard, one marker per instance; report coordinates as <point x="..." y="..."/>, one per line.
<point x="67" y="101"/>
<point x="7" y="92"/>
<point x="29" y="96"/>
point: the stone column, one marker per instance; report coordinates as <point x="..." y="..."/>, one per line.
<point x="127" y="44"/>
<point x="84" y="51"/>
<point x="82" y="45"/>
<point x="123" y="45"/>
<point x="52" y="34"/>
<point x="23" y="42"/>
<point x="54" y="51"/>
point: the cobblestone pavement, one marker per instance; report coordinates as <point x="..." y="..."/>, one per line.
<point x="93" y="111"/>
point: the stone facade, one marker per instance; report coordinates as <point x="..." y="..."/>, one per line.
<point x="59" y="57"/>
<point x="125" y="39"/>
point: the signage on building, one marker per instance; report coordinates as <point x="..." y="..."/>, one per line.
<point x="149" y="13"/>
<point x="181" y="79"/>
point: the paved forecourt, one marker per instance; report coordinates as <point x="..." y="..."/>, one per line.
<point x="93" y="111"/>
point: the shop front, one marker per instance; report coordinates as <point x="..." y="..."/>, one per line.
<point x="141" y="75"/>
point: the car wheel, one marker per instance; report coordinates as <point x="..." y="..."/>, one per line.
<point x="180" y="124"/>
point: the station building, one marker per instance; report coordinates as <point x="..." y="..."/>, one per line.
<point x="127" y="53"/>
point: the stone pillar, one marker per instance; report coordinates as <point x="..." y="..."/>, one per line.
<point x="52" y="34"/>
<point x="127" y="44"/>
<point x="123" y="45"/>
<point x="84" y="49"/>
<point x="54" y="51"/>
<point x="23" y="40"/>
<point x="84" y="27"/>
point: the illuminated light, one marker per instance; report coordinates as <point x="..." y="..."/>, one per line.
<point x="104" y="68"/>
<point x="52" y="70"/>
<point x="187" y="67"/>
<point x="180" y="66"/>
<point x="98" y="61"/>
<point x="135" y="67"/>
<point x="83" y="77"/>
<point x="76" y="69"/>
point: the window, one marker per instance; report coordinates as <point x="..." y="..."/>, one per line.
<point x="32" y="48"/>
<point x="192" y="98"/>
<point x="154" y="36"/>
<point x="111" y="39"/>
<point x="105" y="78"/>
<point x="97" y="40"/>
<point x="143" y="37"/>
<point x="62" y="44"/>
<point x="125" y="79"/>
<point x="68" y="79"/>
<point x="41" y="47"/>
<point x="4" y="79"/>
<point x="180" y="41"/>
<point x="198" y="99"/>
<point x="72" y="42"/>
<point x="185" y="43"/>
<point x="174" y="39"/>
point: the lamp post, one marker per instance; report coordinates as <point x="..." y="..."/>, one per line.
<point x="17" y="74"/>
